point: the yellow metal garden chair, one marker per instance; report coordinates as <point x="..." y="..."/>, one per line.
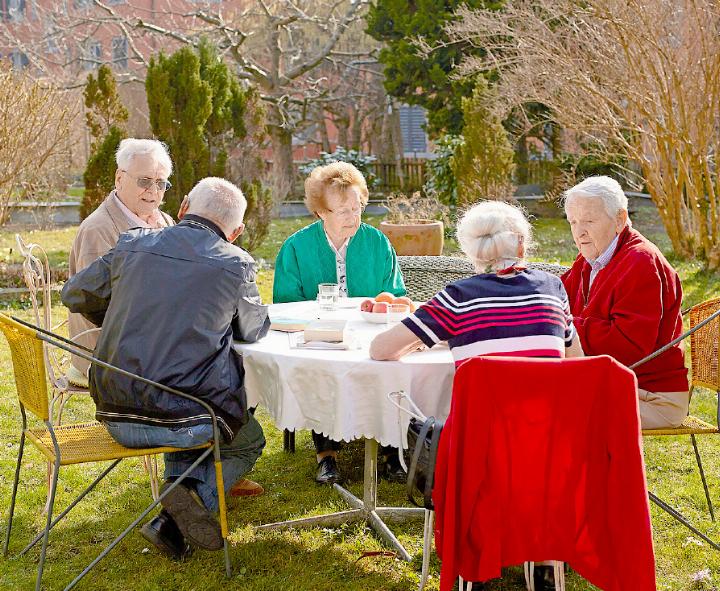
<point x="78" y="443"/>
<point x="704" y="336"/>
<point x="36" y="275"/>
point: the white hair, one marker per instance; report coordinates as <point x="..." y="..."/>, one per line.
<point x="131" y="147"/>
<point x="600" y="187"/>
<point x="491" y="233"/>
<point x="219" y="201"/>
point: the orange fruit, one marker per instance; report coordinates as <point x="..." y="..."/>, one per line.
<point x="384" y="296"/>
<point x="405" y="300"/>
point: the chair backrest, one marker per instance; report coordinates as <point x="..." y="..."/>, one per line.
<point x="36" y="274"/>
<point x="425" y="276"/>
<point x="28" y="360"/>
<point x="543" y="457"/>
<point x="704" y="351"/>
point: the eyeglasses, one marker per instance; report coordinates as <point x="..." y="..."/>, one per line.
<point x="144" y="182"/>
<point x="346" y="213"/>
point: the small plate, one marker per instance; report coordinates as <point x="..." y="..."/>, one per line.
<point x="381" y="318"/>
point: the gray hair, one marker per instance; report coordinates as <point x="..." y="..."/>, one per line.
<point x="219" y="201"/>
<point x="601" y="187"/>
<point x="131" y="147"/>
<point x="491" y="232"/>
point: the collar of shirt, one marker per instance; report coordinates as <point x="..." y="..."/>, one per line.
<point x="190" y="219"/>
<point x="134" y="219"/>
<point x="601" y="262"/>
<point x="339" y="252"/>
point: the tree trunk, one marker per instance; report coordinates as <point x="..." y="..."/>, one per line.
<point x="283" y="170"/>
<point x="324" y="137"/>
<point x="342" y="126"/>
<point x="521" y="151"/>
<point x="355" y="129"/>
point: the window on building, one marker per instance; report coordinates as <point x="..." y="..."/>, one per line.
<point x="412" y="122"/>
<point x="12" y="11"/>
<point x="120" y="51"/>
<point x="115" y="1"/>
<point x="18" y="59"/>
<point x="82" y="3"/>
<point x="51" y="44"/>
<point x="92" y="55"/>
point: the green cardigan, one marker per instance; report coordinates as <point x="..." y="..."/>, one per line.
<point x="306" y="259"/>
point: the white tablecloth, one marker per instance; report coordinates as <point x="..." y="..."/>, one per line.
<point x="343" y="394"/>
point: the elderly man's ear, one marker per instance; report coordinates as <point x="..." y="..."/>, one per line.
<point x="621" y="219"/>
<point x="236" y="232"/>
<point x="183" y="207"/>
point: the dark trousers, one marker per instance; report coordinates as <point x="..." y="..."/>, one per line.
<point x="324" y="443"/>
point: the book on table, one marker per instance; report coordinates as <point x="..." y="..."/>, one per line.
<point x="328" y="331"/>
<point x="288" y="324"/>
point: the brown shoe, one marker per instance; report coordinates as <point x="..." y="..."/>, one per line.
<point x="246" y="488"/>
<point x="196" y="523"/>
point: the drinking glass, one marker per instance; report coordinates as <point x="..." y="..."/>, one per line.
<point x="328" y="296"/>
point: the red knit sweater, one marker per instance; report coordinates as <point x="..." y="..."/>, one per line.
<point x="542" y="460"/>
<point x="631" y="310"/>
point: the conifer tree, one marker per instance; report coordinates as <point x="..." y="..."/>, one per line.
<point x="483" y="163"/>
<point x="179" y="103"/>
<point x="424" y="80"/>
<point x="198" y="107"/>
<point x="105" y="118"/>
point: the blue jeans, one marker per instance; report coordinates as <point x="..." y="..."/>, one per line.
<point x="237" y="457"/>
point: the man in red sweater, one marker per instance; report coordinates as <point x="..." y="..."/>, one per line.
<point x="625" y="298"/>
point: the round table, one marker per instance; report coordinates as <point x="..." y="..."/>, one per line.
<point x="344" y="395"/>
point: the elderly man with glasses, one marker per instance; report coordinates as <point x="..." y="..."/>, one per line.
<point x="143" y="167"/>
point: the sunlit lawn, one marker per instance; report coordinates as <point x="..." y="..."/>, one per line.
<point x="318" y="559"/>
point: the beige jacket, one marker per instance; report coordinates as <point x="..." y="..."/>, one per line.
<point x="98" y="233"/>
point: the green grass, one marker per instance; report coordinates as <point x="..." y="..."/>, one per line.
<point x="318" y="559"/>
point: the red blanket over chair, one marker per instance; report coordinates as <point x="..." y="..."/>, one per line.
<point x="542" y="460"/>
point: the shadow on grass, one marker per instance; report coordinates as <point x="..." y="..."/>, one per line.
<point x="310" y="559"/>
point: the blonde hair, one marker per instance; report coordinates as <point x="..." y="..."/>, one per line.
<point x="491" y="234"/>
<point x="336" y="175"/>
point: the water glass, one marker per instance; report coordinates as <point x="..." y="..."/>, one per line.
<point x="328" y="296"/>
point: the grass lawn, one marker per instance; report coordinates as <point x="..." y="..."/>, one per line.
<point x="319" y="559"/>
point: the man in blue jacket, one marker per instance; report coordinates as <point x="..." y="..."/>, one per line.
<point x="170" y="302"/>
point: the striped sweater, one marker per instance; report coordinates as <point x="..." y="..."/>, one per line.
<point x="525" y="315"/>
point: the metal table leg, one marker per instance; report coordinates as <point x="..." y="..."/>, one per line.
<point x="364" y="509"/>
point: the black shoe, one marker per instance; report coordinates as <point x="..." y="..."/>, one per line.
<point x="327" y="472"/>
<point x="195" y="522"/>
<point x="393" y="471"/>
<point x="164" y="533"/>
<point x="544" y="577"/>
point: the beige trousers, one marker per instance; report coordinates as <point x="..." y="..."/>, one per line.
<point x="662" y="409"/>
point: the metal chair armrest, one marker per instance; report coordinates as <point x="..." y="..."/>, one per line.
<point x="67" y="345"/>
<point x="675" y="341"/>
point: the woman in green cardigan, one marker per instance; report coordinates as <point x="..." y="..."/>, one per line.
<point x="337" y="248"/>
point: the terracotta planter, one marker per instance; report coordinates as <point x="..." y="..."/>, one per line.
<point x="420" y="237"/>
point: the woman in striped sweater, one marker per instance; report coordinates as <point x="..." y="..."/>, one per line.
<point x="505" y="309"/>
